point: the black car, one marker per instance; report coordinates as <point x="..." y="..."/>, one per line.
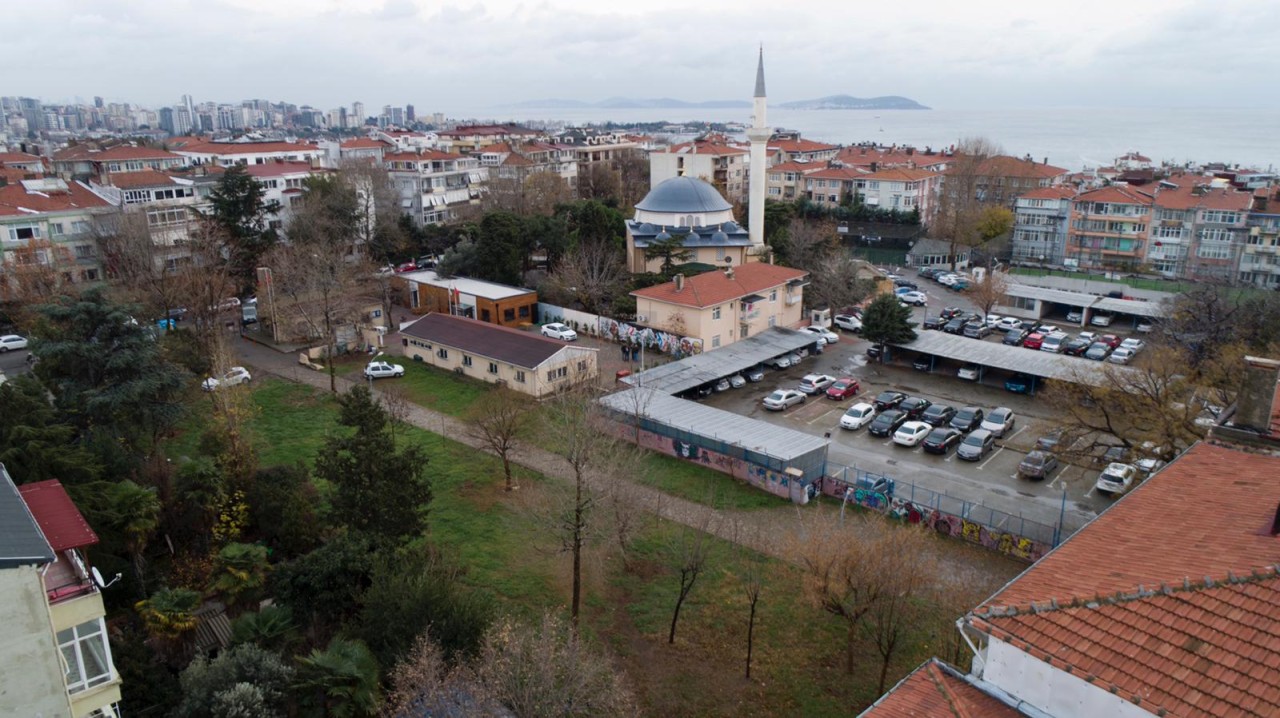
<point x="938" y="415"/>
<point x="1050" y="441"/>
<point x="974" y="330"/>
<point x="951" y="312"/>
<point x="967" y="419"/>
<point x="887" y="423"/>
<point x="914" y="406"/>
<point x="941" y="439"/>
<point x="1097" y="351"/>
<point x="922" y="364"/>
<point x="874" y="351"/>
<point x="1075" y="347"/>
<point x="955" y="326"/>
<point x="889" y="400"/>
<point x="934" y="322"/>
<point x="1015" y="337"/>
<point x="905" y="284"/>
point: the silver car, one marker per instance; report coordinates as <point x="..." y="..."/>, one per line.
<point x="783" y="398"/>
<point x="976" y="445"/>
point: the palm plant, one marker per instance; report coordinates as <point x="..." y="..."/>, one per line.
<point x="240" y="573"/>
<point x="340" y="681"/>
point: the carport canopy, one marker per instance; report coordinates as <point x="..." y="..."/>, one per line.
<point x="1129" y="306"/>
<point x="1045" y="294"/>
<point x="1045" y="365"/>
<point x="710" y="366"/>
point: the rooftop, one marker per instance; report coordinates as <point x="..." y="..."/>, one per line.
<point x="277" y="169"/>
<point x="1006" y="166"/>
<point x="465" y="285"/>
<point x="683" y="194"/>
<point x="59" y="519"/>
<point x="56" y="196"/>
<point x="710" y="365"/>
<point x="1116" y="194"/>
<point x="522" y="349"/>
<point x="711" y="288"/>
<point x="1016" y="359"/>
<point x="936" y="689"/>
<point x="21" y="542"/>
<point x="145" y="178"/>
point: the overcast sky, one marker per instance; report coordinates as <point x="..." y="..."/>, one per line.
<point x="442" y="55"/>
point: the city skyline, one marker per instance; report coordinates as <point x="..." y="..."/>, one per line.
<point x="473" y="57"/>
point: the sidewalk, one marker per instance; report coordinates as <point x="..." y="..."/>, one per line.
<point x="766" y="531"/>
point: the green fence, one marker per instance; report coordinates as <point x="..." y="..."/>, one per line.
<point x="880" y="255"/>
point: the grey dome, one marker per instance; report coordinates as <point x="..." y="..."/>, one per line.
<point x="683" y="194"/>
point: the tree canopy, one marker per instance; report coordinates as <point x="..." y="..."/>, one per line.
<point x="887" y="321"/>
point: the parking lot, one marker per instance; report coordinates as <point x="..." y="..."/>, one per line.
<point x="992" y="481"/>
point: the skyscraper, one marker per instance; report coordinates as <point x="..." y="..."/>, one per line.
<point x="409" y="115"/>
<point x="357" y="114"/>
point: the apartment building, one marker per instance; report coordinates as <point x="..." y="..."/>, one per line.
<point x="795" y="149"/>
<point x="465" y="139"/>
<point x="88" y="160"/>
<point x="364" y="148"/>
<point x="1199" y="228"/>
<point x="1109" y="228"/>
<point x="596" y="148"/>
<point x="49" y="231"/>
<point x="1040" y="222"/>
<point x="199" y="151"/>
<point x="284" y="183"/>
<point x="872" y="158"/>
<point x="55" y="659"/>
<point x="831" y="186"/>
<point x="518" y="162"/>
<point x="22" y="161"/>
<point x="786" y="181"/>
<point x="1002" y="179"/>
<point x="166" y="202"/>
<point x="435" y="186"/>
<point x="902" y="189"/>
<point x="1260" y="256"/>
<point x="711" y="159"/>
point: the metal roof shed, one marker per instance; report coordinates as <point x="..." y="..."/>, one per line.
<point x="709" y="366"/>
<point x="774" y="447"/>
<point x="1130" y="306"/>
<point x="1016" y="359"/>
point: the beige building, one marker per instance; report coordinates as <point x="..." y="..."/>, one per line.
<point x="55" y="659"/>
<point x="722" y="307"/>
<point x="712" y="159"/>
<point x="522" y="361"/>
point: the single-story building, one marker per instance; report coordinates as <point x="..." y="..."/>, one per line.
<point x="722" y="307"/>
<point x="522" y="361"/>
<point x="927" y="252"/>
<point x="490" y="302"/>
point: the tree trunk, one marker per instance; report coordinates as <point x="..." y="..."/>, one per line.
<point x="506" y="468"/>
<point x="850" y="639"/>
<point x="751" y="630"/>
<point x="884" y="670"/>
<point x="675" y="615"/>
<point x="577" y="551"/>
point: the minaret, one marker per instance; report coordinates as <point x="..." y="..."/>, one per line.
<point x="759" y="135"/>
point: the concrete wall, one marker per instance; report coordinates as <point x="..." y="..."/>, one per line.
<point x="1048" y="688"/>
<point x="32" y="680"/>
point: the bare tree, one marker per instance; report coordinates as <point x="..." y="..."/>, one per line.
<point x="233" y="413"/>
<point x="598" y="181"/>
<point x="535" y="193"/>
<point x="749" y="568"/>
<point x="500" y="422"/>
<point x="959" y="216"/>
<point x="592" y="274"/>
<point x="905" y="599"/>
<point x="633" y="179"/>
<point x="689" y="552"/>
<point x="990" y="291"/>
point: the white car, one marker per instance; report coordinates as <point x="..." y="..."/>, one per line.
<point x="1116" y="478"/>
<point x="382" y="370"/>
<point x="816" y="383"/>
<point x="1121" y="355"/>
<point x="857" y="416"/>
<point x="999" y="421"/>
<point x="1090" y="337"/>
<point x="915" y="298"/>
<point x="783" y="361"/>
<point x="783" y="398"/>
<point x="1133" y="343"/>
<point x="1007" y="323"/>
<point x="1101" y="320"/>
<point x="1075" y="316"/>
<point x="968" y="372"/>
<point x="12" y="341"/>
<point x="848" y="322"/>
<point x="911" y="433"/>
<point x="827" y="335"/>
<point x="557" y="330"/>
<point x="947" y="280"/>
<point x="993" y="320"/>
<point x="235" y="376"/>
<point x="228" y="304"/>
<point x="1144" y="326"/>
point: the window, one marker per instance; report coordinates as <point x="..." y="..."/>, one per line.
<point x="582" y="366"/>
<point x="715" y="313"/>
<point x="773" y="296"/>
<point x="560" y="373"/>
<point x="24" y="232"/>
<point x="520" y="376"/>
<point x="442" y="353"/>
<point x="165" y="217"/>
<point x="86" y="654"/>
<point x="773" y="320"/>
<point x="715" y="341"/>
<point x="136" y="196"/>
<point x="493" y="367"/>
<point x="1220" y="217"/>
<point x="508" y="315"/>
<point x="84" y="251"/>
<point x="1216" y="234"/>
<point x="466" y="360"/>
<point x="524" y="311"/>
<point x="55" y="229"/>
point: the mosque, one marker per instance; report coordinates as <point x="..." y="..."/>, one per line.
<point x="693" y="210"/>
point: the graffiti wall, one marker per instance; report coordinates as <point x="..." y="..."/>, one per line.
<point x="948" y="524"/>
<point x="652" y="339"/>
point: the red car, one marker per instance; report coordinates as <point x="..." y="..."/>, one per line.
<point x="1110" y="340"/>
<point x="407" y="267"/>
<point x="844" y="388"/>
<point x="1033" y="341"/>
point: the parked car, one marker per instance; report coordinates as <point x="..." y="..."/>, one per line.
<point x="848" y="322"/>
<point x="999" y="422"/>
<point x="1075" y="315"/>
<point x="229" y="304"/>
<point x="1051" y="440"/>
<point x="914" y="298"/>
<point x="1037" y="465"/>
<point x="947" y="279"/>
<point x="1015" y="337"/>
<point x="843" y="388"/>
<point x="941" y="440"/>
<point x="723" y="384"/>
<point x="407" y="267"/>
<point x="977" y="331"/>
<point x="951" y="312"/>
<point x="875" y="351"/>
<point x="954" y="326"/>
<point x="1144" y="326"/>
<point x="1007" y="323"/>
<point x="967" y="419"/>
<point x="969" y="372"/>
<point x="938" y="415"/>
<point x="1097" y="351"/>
<point x="1110" y="340"/>
<point x="1133" y="343"/>
<point x="557" y="330"/>
<point x="1019" y="383"/>
<point x="905" y="284"/>
<point x="915" y="406"/>
<point x="704" y="391"/>
<point x="887" y="422"/>
<point x="1046" y="329"/>
<point x="857" y="416"/>
<point x="976" y="445"/>
<point x="816" y="383"/>
<point x="782" y="361"/>
<point x="1033" y="340"/>
<point x="755" y="373"/>
<point x="960" y="284"/>
<point x="1075" y="347"/>
<point x="922" y="363"/>
<point x="1101" y="320"/>
<point x="1117" y="478"/>
<point x="235" y="376"/>
<point x="1121" y="355"/>
<point x="379" y="369"/>
<point x="889" y="400"/>
<point x="911" y="433"/>
<point x="826" y="335"/>
<point x="1090" y="337"/>
<point x="12" y="342"/>
<point x="783" y="398"/>
<point x="737" y="381"/>
<point x="1054" y="343"/>
<point x="934" y="322"/>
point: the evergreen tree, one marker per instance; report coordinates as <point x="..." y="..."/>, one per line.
<point x="887" y="321"/>
<point x="670" y="250"/>
<point x="381" y="490"/>
<point x="239" y="210"/>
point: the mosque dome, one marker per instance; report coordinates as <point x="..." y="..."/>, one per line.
<point x="683" y="194"/>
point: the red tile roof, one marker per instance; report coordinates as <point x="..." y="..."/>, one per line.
<point x="802" y="167"/>
<point x="837" y="173"/>
<point x="114" y="154"/>
<point x="1006" y="166"/>
<point x="802" y="146"/>
<point x="715" y="287"/>
<point x="1115" y="194"/>
<point x="477" y="130"/>
<point x="364" y="143"/>
<point x="423" y="155"/>
<point x="144" y="178"/>
<point x="1057" y="192"/>
<point x="245" y="148"/>
<point x="859" y="156"/>
<point x="59" y="519"/>
<point x="1193" y="192"/>
<point x="276" y="169"/>
<point x="935" y="690"/>
<point x="16" y="201"/>
<point x="13" y="174"/>
<point x="19" y="158"/>
<point x="900" y="174"/>
<point x="1148" y="596"/>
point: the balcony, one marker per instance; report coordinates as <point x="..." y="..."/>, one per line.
<point x="67" y="578"/>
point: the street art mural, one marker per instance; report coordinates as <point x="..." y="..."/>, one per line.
<point x="651" y="339"/>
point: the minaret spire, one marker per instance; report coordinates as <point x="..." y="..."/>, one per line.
<point x="759" y="134"/>
<point x="760" y="73"/>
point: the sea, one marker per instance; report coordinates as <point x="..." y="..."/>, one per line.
<point x="1076" y="138"/>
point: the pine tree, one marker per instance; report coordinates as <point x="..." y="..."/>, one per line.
<point x="887" y="321"/>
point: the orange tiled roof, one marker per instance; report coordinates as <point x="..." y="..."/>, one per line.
<point x="889" y="157"/>
<point x="19" y="158"/>
<point x="474" y="130"/>
<point x="1186" y="195"/>
<point x="935" y="690"/>
<point x="1059" y="192"/>
<point x="715" y="287"/>
<point x="364" y="143"/>
<point x="1115" y="194"/>
<point x="245" y="148"/>
<point x="837" y="173"/>
<point x="800" y="145"/>
<point x="16" y="201"/>
<point x="900" y="174"/>
<point x="803" y="167"/>
<point x="14" y="174"/>
<point x="1006" y="166"/>
<point x="144" y="178"/>
<point x="276" y="169"/>
<point x="114" y="154"/>
<point x="415" y="156"/>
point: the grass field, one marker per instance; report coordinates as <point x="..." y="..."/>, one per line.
<point x="508" y="554"/>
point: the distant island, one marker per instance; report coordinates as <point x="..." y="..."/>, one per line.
<point x="848" y="102"/>
<point x="626" y="103"/>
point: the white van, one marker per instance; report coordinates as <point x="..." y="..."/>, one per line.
<point x="1054" y="343"/>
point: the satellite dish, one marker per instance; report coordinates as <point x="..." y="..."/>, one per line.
<point x="97" y="578"/>
<point x="728" y="260"/>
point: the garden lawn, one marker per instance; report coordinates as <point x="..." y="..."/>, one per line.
<point x="433" y="388"/>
